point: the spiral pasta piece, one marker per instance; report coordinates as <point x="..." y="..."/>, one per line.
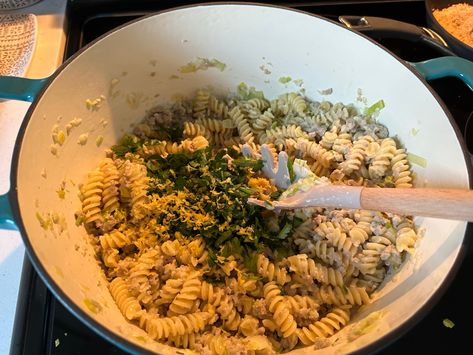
<point x="328" y="139"/>
<point x="194" y="253"/>
<point x="327" y="253"/>
<point x="184" y="300"/>
<point x="271" y="271"/>
<point x="142" y="279"/>
<point x="325" y="327"/>
<point x="296" y="103"/>
<point x="358" y="235"/>
<point x="211" y="294"/>
<point x="298" y="303"/>
<point x="342" y="143"/>
<point x="306" y="267"/>
<point x="279" y="135"/>
<point x="217" y="344"/>
<point x="228" y="313"/>
<point x="186" y="341"/>
<point x="382" y="159"/>
<point x="401" y="170"/>
<point x="360" y="232"/>
<point x="242" y="124"/>
<point x="370" y="257"/>
<point x="313" y="150"/>
<point x="136" y="180"/>
<point x="260" y="104"/>
<point x="241" y="284"/>
<point x="111" y="182"/>
<point x="219" y="108"/>
<point x="163" y="148"/>
<point x="356" y="156"/>
<point x="169" y="291"/>
<point x="406" y="236"/>
<point x="176" y="326"/>
<point x="128" y="305"/>
<point x="281" y="312"/>
<point x="171" y="247"/>
<point x="92" y="197"/>
<point x="114" y="240"/>
<point x="264" y="121"/>
<point x="340" y="296"/>
<point x="194" y="144"/>
<point x="249" y="326"/>
<point x="337" y="238"/>
<point x="193" y="129"/>
<point x="217" y="126"/>
<point x="201" y="103"/>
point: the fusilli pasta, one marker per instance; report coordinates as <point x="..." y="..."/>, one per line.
<point x="195" y="266"/>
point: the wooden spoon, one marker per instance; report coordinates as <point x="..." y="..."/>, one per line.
<point x="454" y="204"/>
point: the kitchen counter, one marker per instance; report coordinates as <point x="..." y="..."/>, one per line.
<point x="47" y="56"/>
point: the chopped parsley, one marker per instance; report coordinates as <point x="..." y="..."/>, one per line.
<point x="205" y="194"/>
<point x="128" y="144"/>
<point x="212" y="279"/>
<point x="290" y="168"/>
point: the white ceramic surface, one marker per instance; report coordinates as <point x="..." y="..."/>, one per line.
<point x="246" y="38"/>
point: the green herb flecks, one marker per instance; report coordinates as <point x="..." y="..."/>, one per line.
<point x="128" y="144"/>
<point x="249" y="261"/>
<point x="290" y="168"/>
<point x="205" y="194"/>
<point x="285" y="231"/>
<point x="212" y="279"/>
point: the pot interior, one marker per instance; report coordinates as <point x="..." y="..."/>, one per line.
<point x="140" y="65"/>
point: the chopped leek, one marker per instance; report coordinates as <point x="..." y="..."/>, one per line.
<point x="448" y="323"/>
<point x="417" y="160"/>
<point x="377" y="106"/>
<point x="284" y="79"/>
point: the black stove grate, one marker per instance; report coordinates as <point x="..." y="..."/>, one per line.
<point x="44" y="326"/>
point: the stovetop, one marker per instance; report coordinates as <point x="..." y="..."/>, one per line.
<point x="44" y="326"/>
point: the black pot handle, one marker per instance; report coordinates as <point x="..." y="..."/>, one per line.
<point x="380" y="27"/>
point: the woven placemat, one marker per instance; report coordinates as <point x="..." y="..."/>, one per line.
<point x="17" y="43"/>
<point x="16" y="4"/>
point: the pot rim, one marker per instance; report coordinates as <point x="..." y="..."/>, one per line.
<point x="123" y="343"/>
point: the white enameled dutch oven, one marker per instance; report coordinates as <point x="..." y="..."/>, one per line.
<point x="110" y="84"/>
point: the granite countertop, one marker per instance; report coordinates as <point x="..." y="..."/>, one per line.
<point x="46" y="58"/>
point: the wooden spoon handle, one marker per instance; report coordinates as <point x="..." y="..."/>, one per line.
<point x="442" y="203"/>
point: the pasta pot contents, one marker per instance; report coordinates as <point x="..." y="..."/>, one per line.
<point x="193" y="264"/>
